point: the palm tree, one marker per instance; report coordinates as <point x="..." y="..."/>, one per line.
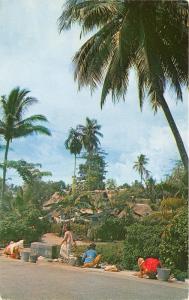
<point x="74" y="144"/>
<point x="12" y="123"/>
<point x="90" y="133"/>
<point x="139" y="166"/>
<point x="149" y="36"/>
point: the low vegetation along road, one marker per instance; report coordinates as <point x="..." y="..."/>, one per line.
<point x="53" y="281"/>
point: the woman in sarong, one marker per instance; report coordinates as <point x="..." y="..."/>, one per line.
<point x="67" y="243"/>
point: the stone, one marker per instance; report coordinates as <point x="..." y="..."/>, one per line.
<point x="142" y="210"/>
<point x="46" y="250"/>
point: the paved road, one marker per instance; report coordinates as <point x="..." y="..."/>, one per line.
<point x="51" y="281"/>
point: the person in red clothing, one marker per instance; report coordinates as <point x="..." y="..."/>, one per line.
<point x="148" y="266"/>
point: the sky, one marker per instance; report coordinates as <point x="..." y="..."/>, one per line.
<point x="35" y="56"/>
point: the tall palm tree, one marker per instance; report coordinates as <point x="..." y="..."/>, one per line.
<point x="90" y="133"/>
<point x="149" y="36"/>
<point x="12" y="123"/>
<point x="74" y="144"/>
<point x="139" y="166"/>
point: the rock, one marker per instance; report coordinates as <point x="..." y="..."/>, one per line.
<point x="142" y="210"/>
<point x="122" y="214"/>
<point x="56" y="197"/>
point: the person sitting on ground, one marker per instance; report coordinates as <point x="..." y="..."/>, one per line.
<point x="148" y="267"/>
<point x="90" y="257"/>
<point x="14" y="248"/>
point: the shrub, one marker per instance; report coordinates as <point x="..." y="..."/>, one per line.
<point x="112" y="229"/>
<point x="79" y="230"/>
<point x="141" y="241"/>
<point x="28" y="227"/>
<point x="56" y="228"/>
<point x="174" y="244"/>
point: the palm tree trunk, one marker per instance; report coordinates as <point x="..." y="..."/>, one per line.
<point x="75" y="165"/>
<point x="178" y="139"/>
<point x="141" y="177"/>
<point x="5" y="168"/>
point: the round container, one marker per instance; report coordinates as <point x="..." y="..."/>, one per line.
<point x="163" y="274"/>
<point x="33" y="258"/>
<point x="25" y="256"/>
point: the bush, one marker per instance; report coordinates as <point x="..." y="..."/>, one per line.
<point x="28" y="227"/>
<point x="112" y="229"/>
<point x="174" y="244"/>
<point x="79" y="230"/>
<point x="141" y="241"/>
<point x="56" y="228"/>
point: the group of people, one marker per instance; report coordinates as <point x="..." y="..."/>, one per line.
<point x="147" y="267"/>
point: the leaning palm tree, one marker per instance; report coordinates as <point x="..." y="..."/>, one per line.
<point x="74" y="144"/>
<point x="12" y="123"/>
<point x="90" y="133"/>
<point x="149" y="36"/>
<point x="139" y="166"/>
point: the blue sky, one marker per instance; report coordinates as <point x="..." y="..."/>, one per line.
<point x="33" y="55"/>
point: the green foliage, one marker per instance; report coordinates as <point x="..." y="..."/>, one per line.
<point x="121" y="198"/>
<point x="111" y="184"/>
<point x="139" y="166"/>
<point x="180" y="275"/>
<point x="112" y="228"/>
<point x="12" y="123"/>
<point x="79" y="230"/>
<point x="27" y="171"/>
<point x="40" y="191"/>
<point x="158" y="52"/>
<point x="92" y="200"/>
<point x="74" y="144"/>
<point x="172" y="204"/>
<point x="178" y="180"/>
<point x="151" y="189"/>
<point x="174" y="244"/>
<point x="28" y="226"/>
<point x="90" y="133"/>
<point x="136" y="190"/>
<point x="56" y="228"/>
<point x="141" y="241"/>
<point x="168" y="209"/>
<point x="92" y="172"/>
<point x="175" y="185"/>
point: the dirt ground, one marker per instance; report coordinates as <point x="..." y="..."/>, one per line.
<point x="52" y="238"/>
